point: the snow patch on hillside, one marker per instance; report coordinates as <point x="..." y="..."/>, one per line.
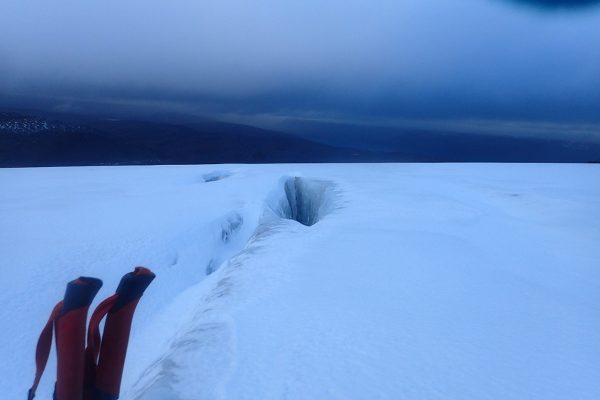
<point x="16" y="124"/>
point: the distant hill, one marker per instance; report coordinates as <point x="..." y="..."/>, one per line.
<point x="30" y="139"/>
<point x="447" y="146"/>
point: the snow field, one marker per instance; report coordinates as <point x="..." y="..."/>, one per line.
<point x="318" y="281"/>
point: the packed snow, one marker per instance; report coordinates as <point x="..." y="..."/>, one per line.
<point x="324" y="281"/>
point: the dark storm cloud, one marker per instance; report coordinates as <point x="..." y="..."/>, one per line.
<point x="374" y="59"/>
<point x="565" y="4"/>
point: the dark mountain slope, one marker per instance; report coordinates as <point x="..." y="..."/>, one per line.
<point x="448" y="146"/>
<point x="90" y="141"/>
<point x="50" y="139"/>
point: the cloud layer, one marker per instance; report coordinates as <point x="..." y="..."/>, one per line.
<point x="569" y="4"/>
<point x="383" y="59"/>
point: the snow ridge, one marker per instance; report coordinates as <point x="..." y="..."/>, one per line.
<point x="202" y="354"/>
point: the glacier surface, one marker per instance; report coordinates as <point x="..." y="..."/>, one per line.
<point x="318" y="281"/>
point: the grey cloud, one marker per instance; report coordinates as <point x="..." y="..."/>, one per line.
<point x="387" y="58"/>
<point x="560" y="4"/>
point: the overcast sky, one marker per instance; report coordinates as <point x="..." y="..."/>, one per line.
<point x="372" y="59"/>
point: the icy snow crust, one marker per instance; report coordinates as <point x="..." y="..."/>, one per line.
<point x="318" y="281"/>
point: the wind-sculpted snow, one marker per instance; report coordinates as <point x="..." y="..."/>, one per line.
<point x="199" y="356"/>
<point x="230" y="226"/>
<point x="201" y="352"/>
<point x="228" y="231"/>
